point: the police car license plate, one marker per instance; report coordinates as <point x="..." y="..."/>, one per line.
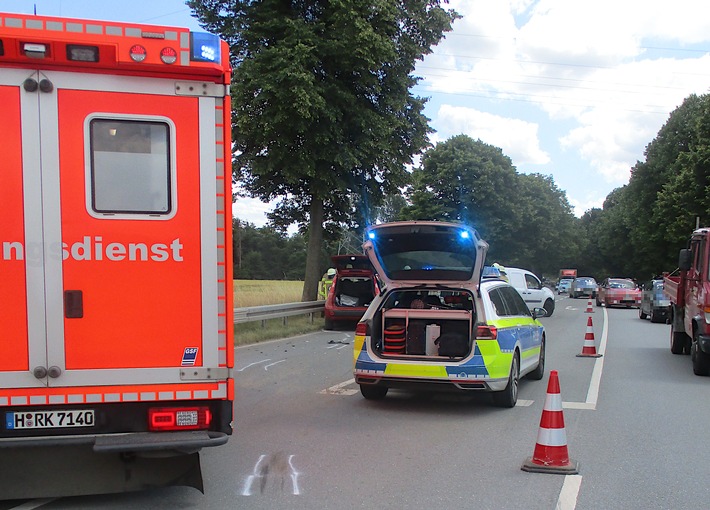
<point x="49" y="419"/>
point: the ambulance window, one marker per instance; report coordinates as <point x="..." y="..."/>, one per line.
<point x="130" y="167"/>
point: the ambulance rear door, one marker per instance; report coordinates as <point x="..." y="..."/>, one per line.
<point x="116" y="227"/>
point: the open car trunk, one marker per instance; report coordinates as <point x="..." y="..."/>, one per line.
<point x="433" y="325"/>
<point x="355" y="291"/>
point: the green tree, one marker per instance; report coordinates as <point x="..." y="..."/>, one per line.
<point x="548" y="237"/>
<point x="466" y="180"/>
<point x="526" y="219"/>
<point x="321" y="101"/>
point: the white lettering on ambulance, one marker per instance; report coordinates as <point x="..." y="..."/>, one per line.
<point x="9" y="247"/>
<point x="95" y="249"/>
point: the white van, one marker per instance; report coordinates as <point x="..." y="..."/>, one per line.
<point x="535" y="294"/>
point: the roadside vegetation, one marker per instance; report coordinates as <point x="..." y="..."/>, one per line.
<point x="326" y="126"/>
<point x="271" y="292"/>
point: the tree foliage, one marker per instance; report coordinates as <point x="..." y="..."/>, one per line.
<point x="644" y="224"/>
<point x="526" y="219"/>
<point x="322" y="107"/>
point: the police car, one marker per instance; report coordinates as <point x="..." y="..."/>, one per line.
<point x="437" y="322"/>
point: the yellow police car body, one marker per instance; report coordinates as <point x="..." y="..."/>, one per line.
<point x="437" y="324"/>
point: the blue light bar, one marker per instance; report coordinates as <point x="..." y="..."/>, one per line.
<point x="371" y="235"/>
<point x="464" y="234"/>
<point x="204" y="47"/>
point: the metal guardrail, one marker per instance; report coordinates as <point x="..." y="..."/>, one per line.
<point x="262" y="313"/>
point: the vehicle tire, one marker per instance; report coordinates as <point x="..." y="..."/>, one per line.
<point x="701" y="360"/>
<point x="539" y="371"/>
<point x="679" y="341"/>
<point x="654" y="316"/>
<point x="598" y="302"/>
<point x="549" y="307"/>
<point x="642" y="315"/>
<point x="373" y="391"/>
<point x="329" y="324"/>
<point x="509" y="396"/>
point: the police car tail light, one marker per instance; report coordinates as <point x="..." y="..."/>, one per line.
<point x="178" y="418"/>
<point x="361" y="329"/>
<point x="486" y="332"/>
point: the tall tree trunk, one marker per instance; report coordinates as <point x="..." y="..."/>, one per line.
<point x="315" y="243"/>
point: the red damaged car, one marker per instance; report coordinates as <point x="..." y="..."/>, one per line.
<point x="352" y="290"/>
<point x="619" y="292"/>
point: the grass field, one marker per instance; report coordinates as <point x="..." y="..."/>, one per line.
<point x="266" y="292"/>
<point x="270" y="292"/>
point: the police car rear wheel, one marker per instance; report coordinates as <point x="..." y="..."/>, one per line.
<point x="509" y="396"/>
<point x="372" y="392"/>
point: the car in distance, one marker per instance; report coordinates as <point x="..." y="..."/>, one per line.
<point x="564" y="285"/>
<point x="351" y="292"/>
<point x="618" y="292"/>
<point x="583" y="286"/>
<point x="436" y="323"/>
<point x="654" y="303"/>
<point x="534" y="293"/>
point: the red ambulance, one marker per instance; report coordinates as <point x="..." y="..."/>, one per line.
<point x="115" y="239"/>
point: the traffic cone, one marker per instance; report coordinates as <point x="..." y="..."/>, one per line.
<point x="551" y="455"/>
<point x="589" y="307"/>
<point x="589" y="350"/>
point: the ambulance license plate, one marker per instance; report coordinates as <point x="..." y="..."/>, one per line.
<point x="49" y="419"/>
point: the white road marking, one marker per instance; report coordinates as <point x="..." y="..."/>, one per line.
<point x="339" y="389"/>
<point x="261" y="474"/>
<point x="569" y="493"/>
<point x="252" y="364"/>
<point x="31" y="505"/>
<point x="274" y="363"/>
<point x="294" y="477"/>
<point x="250" y="479"/>
<point x="595" y="381"/>
<point x="524" y="403"/>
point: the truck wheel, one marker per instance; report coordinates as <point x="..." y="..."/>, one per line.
<point x="701" y="360"/>
<point x="654" y="316"/>
<point x="509" y="396"/>
<point x="678" y="341"/>
<point x="373" y="392"/>
<point x="642" y="315"/>
<point x="598" y="302"/>
<point x="549" y="307"/>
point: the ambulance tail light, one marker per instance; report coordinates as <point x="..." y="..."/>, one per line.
<point x="162" y="419"/>
<point x="486" y="332"/>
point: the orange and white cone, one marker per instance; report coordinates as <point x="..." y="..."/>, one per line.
<point x="589" y="350"/>
<point x="589" y="307"/>
<point x="551" y="455"/>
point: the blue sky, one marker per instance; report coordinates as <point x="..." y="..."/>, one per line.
<point x="575" y="89"/>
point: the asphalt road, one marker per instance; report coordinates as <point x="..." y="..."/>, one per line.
<point x="305" y="438"/>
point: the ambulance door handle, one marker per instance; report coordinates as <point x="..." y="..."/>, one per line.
<point x="54" y="372"/>
<point x="40" y="372"/>
<point x="73" y="304"/>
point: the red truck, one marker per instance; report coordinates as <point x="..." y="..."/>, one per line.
<point x="689" y="293"/>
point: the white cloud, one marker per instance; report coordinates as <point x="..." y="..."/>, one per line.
<point x="517" y="138"/>
<point x="252" y="210"/>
